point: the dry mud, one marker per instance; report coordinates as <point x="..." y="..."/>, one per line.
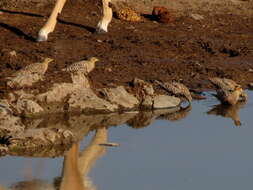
<point x="186" y="50"/>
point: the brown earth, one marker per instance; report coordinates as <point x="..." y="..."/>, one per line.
<point x="186" y="50"/>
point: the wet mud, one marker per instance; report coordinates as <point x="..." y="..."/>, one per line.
<point x="186" y="50"/>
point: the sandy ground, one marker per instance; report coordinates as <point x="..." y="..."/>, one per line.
<point x="186" y="50"/>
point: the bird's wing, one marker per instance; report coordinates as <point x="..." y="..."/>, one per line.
<point x="221" y="84"/>
<point x="77" y="66"/>
<point x="182" y="90"/>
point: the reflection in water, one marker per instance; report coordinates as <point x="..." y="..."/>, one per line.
<point x="76" y="167"/>
<point x="230" y="111"/>
<point x="144" y="119"/>
<point x="178" y="155"/>
<point x="60" y="131"/>
<point x="181" y="114"/>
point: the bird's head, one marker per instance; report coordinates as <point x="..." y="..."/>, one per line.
<point x="238" y="89"/>
<point x="93" y="59"/>
<point x="48" y="60"/>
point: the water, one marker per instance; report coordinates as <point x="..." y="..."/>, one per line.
<point x="200" y="151"/>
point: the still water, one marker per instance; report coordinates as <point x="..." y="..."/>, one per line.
<point x="210" y="148"/>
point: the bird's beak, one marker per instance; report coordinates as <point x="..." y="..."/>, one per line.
<point x="48" y="60"/>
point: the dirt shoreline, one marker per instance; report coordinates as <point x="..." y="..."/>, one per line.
<point x="187" y="50"/>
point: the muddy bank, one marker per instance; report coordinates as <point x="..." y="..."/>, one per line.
<point x="187" y="50"/>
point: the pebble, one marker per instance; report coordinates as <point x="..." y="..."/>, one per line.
<point x="197" y="16"/>
<point x="110" y="144"/>
<point x="13" y="53"/>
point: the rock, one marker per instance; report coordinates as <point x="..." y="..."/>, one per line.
<point x="80" y="80"/>
<point x="5" y="107"/>
<point x="27" y="107"/>
<point x="128" y="14"/>
<point x="121" y="97"/>
<point x="17" y="94"/>
<point x="85" y="100"/>
<point x="146" y="87"/>
<point x="147" y="103"/>
<point x="162" y="14"/>
<point x="13" y="53"/>
<point x="57" y="93"/>
<point x="164" y="101"/>
<point x="10" y="124"/>
<point x="23" y="80"/>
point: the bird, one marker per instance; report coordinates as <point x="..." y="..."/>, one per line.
<point x="177" y="89"/>
<point x="84" y="66"/>
<point x="34" y="68"/>
<point x="228" y="91"/>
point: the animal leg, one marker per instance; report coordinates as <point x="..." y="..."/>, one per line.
<point x="106" y="18"/>
<point x="51" y="22"/>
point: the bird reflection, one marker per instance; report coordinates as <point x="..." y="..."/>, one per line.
<point x="76" y="167"/>
<point x="229" y="111"/>
<point x="179" y="115"/>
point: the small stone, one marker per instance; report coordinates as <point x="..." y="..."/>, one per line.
<point x="108" y="70"/>
<point x="13" y="53"/>
<point x="99" y="41"/>
<point x="163" y="15"/>
<point x="110" y="144"/>
<point x="128" y="14"/>
<point x="28" y="107"/>
<point x="146" y="87"/>
<point x="197" y="16"/>
<point x="147" y="103"/>
<point x="121" y="97"/>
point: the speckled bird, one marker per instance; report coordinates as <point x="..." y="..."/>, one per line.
<point x="228" y="91"/>
<point x="34" y="68"/>
<point x="177" y="89"/>
<point x="84" y="66"/>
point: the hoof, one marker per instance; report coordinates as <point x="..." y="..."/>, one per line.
<point x="41" y="38"/>
<point x="100" y="31"/>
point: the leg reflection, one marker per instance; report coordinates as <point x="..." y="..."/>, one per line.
<point x="76" y="166"/>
